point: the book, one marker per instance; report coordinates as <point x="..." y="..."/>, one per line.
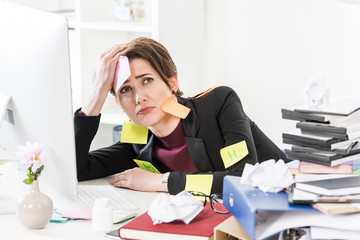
<point x="201" y="227"/>
<point x="291" y="114"/>
<point x="336" y="208"/>
<point x="333" y="186"/>
<point x="344" y="127"/>
<point x="321" y="159"/>
<point x="343" y="147"/>
<point x="297" y="196"/>
<point x="318" y="129"/>
<point x="340" y="107"/>
<point x="324" y="156"/>
<point x="307" y="167"/>
<point x="308" y="140"/>
<point x="307" y="153"/>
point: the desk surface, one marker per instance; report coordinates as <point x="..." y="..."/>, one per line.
<point x="11" y="228"/>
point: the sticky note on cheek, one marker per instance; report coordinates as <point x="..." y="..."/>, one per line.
<point x="174" y="108"/>
<point x="122" y="72"/>
<point x="146" y="166"/>
<point x="199" y="183"/>
<point x="234" y="153"/>
<point x="132" y="133"/>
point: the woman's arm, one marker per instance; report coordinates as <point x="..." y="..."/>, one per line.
<point x="139" y="179"/>
<point x="102" y="162"/>
<point x="104" y="80"/>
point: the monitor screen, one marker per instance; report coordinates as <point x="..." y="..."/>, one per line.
<point x="35" y="73"/>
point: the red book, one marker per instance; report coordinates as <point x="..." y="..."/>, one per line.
<point x="201" y="227"/>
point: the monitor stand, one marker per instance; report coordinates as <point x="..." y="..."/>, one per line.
<point x="8" y="204"/>
<point x="11" y="188"/>
<point x="4" y="101"/>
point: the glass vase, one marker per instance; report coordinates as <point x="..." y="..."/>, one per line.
<point x="34" y="209"/>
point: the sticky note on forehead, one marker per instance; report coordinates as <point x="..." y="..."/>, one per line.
<point x="146" y="166"/>
<point x="174" y="108"/>
<point x="234" y="153"/>
<point x="122" y="72"/>
<point x="132" y="133"/>
<point x="199" y="183"/>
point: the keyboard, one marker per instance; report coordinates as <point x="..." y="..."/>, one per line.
<point x="117" y="201"/>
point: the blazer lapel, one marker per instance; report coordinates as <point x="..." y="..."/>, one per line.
<point x="196" y="146"/>
<point x="145" y="153"/>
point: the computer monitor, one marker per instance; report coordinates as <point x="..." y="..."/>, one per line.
<point x="35" y="72"/>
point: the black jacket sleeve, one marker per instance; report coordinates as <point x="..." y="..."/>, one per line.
<point x="102" y="162"/>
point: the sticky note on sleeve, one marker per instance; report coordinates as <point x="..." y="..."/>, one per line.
<point x="199" y="182"/>
<point x="132" y="133"/>
<point x="146" y="166"/>
<point x="234" y="153"/>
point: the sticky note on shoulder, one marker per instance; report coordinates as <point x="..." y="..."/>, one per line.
<point x="234" y="153"/>
<point x="146" y="166"/>
<point x="132" y="133"/>
<point x="174" y="108"/>
<point x="199" y="182"/>
<point x="122" y="72"/>
<point x="198" y="95"/>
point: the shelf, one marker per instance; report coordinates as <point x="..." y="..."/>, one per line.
<point x="111" y="26"/>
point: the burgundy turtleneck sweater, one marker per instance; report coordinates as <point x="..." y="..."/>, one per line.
<point x="171" y="151"/>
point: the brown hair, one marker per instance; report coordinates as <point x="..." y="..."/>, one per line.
<point x="156" y="55"/>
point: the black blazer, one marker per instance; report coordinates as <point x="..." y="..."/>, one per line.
<point x="216" y="120"/>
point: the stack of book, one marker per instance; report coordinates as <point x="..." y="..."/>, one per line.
<point x="327" y="137"/>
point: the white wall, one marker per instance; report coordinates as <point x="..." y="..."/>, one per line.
<point x="267" y="50"/>
<point x="48" y="5"/>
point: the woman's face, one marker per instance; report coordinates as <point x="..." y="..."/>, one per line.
<point x="142" y="95"/>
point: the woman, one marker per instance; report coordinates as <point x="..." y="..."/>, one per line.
<point x="175" y="146"/>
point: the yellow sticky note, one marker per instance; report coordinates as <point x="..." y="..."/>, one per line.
<point x="199" y="183"/>
<point x="173" y="107"/>
<point x="233" y="153"/>
<point x="146" y="166"/>
<point x="132" y="133"/>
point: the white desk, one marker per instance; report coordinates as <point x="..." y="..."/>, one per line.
<point x="11" y="228"/>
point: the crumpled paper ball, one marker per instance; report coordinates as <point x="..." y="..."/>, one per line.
<point x="167" y="208"/>
<point x="316" y="93"/>
<point x="268" y="176"/>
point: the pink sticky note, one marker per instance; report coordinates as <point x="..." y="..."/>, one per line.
<point x="78" y="212"/>
<point x="122" y="72"/>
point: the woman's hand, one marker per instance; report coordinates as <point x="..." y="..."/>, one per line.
<point x="104" y="80"/>
<point x="138" y="179"/>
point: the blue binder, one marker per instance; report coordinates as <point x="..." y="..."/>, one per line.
<point x="244" y="202"/>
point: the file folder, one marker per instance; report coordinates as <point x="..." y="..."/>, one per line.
<point x="247" y="203"/>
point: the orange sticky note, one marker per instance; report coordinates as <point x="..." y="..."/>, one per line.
<point x="197" y="95"/>
<point x="174" y="108"/>
<point x="132" y="133"/>
<point x="233" y="153"/>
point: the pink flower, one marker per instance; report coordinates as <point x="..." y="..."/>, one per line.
<point x="32" y="155"/>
